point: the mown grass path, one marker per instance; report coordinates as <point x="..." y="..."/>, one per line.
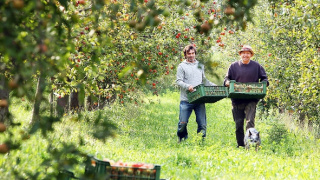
<point x="149" y="135"/>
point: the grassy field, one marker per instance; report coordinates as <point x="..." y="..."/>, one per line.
<point x="147" y="133"/>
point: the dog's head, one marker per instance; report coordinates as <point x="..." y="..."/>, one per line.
<point x="254" y="137"/>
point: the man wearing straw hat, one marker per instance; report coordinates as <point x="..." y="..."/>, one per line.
<point x="244" y="70"/>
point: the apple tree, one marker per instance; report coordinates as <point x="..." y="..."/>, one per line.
<point x="293" y="45"/>
<point x="285" y="40"/>
<point x="105" y="49"/>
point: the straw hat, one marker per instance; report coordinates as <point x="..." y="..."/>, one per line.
<point x="246" y="48"/>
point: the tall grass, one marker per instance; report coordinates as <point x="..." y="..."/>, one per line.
<point x="147" y="133"/>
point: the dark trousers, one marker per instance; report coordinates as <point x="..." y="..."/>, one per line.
<point x="241" y="112"/>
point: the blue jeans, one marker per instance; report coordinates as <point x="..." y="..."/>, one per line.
<point x="184" y="115"/>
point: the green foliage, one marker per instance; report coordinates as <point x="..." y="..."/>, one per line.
<point x="279" y="141"/>
<point x="285" y="38"/>
<point x="294" y="68"/>
<point x="277" y="133"/>
<point x="109" y="49"/>
<point x="148" y="134"/>
<point x="94" y="48"/>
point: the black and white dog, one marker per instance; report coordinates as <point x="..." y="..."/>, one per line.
<point x="252" y="138"/>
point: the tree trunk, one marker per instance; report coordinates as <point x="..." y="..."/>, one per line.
<point x="38" y="99"/>
<point x="51" y="101"/>
<point x="74" y="101"/>
<point x="4" y="95"/>
<point x="62" y="105"/>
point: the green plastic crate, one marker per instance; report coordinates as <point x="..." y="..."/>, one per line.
<point x="252" y="90"/>
<point x="98" y="169"/>
<point x="207" y="94"/>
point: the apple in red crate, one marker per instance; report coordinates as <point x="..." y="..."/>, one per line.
<point x="137" y="165"/>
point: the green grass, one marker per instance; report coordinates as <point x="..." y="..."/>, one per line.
<point x="147" y="133"/>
